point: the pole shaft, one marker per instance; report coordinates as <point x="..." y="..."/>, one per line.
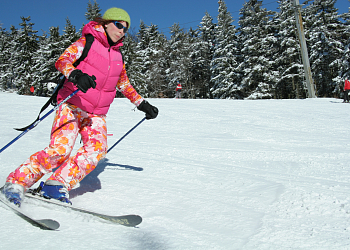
<point x="304" y="53"/>
<point x="37" y="122"/>
<point x="126" y="134"/>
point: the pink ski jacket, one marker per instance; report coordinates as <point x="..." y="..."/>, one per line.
<point x="102" y="61"/>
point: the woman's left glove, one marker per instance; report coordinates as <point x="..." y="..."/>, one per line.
<point x="151" y="111"/>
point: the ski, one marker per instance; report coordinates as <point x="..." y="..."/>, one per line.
<point x="130" y="220"/>
<point x="46" y="224"/>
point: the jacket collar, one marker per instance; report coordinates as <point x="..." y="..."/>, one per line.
<point x="100" y="34"/>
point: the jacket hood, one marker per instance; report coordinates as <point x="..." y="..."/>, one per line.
<point x="99" y="33"/>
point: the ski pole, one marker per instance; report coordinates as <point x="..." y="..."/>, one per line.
<point x="38" y="121"/>
<point x="126" y="134"/>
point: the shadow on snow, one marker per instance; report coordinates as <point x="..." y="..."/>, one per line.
<point x="91" y="182"/>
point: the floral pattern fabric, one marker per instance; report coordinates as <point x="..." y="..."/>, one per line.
<point x="68" y="123"/>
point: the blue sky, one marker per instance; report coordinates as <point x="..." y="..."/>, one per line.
<point x="188" y="13"/>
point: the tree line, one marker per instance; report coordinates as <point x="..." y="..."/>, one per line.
<point x="260" y="58"/>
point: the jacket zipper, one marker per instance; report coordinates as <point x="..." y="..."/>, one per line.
<point x="106" y="79"/>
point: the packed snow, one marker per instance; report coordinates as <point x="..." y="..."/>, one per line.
<point x="205" y="174"/>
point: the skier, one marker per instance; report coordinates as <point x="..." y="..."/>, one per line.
<point x="346" y="90"/>
<point x="97" y="76"/>
<point x="178" y="90"/>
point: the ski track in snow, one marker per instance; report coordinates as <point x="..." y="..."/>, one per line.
<point x="206" y="174"/>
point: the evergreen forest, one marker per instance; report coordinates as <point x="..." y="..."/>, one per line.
<point x="260" y="58"/>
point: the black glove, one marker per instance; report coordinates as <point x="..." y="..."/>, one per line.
<point x="151" y="111"/>
<point x="82" y="80"/>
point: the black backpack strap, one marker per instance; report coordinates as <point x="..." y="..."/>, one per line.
<point x="89" y="40"/>
<point x="60" y="82"/>
<point x="122" y="56"/>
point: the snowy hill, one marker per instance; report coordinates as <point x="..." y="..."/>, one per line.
<point x="206" y="174"/>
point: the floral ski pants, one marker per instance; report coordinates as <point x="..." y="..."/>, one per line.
<point x="69" y="122"/>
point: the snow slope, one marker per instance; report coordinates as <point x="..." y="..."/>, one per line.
<point x="206" y="174"/>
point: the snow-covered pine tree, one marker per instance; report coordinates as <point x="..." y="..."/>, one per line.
<point x="196" y="81"/>
<point x="324" y="32"/>
<point x="147" y="69"/>
<point x="288" y="57"/>
<point x="202" y="55"/>
<point x="129" y="56"/>
<point x="45" y="58"/>
<point x="93" y="11"/>
<point x="70" y="34"/>
<point x="11" y="63"/>
<point x="345" y="62"/>
<point x="129" y="47"/>
<point x="179" y="62"/>
<point x="128" y="50"/>
<point x="156" y="76"/>
<point x="6" y="50"/>
<point x="272" y="42"/>
<point x="26" y="45"/>
<point x="257" y="38"/>
<point x="225" y="78"/>
<point x="137" y="69"/>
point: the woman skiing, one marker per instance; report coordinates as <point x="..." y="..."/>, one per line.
<point x="97" y="76"/>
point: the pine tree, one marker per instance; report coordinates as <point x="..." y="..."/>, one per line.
<point x="225" y="79"/>
<point x="345" y="61"/>
<point x="203" y="50"/>
<point x="137" y="70"/>
<point x="257" y="37"/>
<point x="179" y="62"/>
<point x="5" y="59"/>
<point x="128" y="51"/>
<point x="10" y="64"/>
<point x="93" y="11"/>
<point x="273" y="53"/>
<point x="70" y="34"/>
<point x="129" y="47"/>
<point x="326" y="50"/>
<point x="287" y="57"/>
<point x="45" y="58"/>
<point x="147" y="69"/>
<point x="26" y="46"/>
<point x="156" y="77"/>
<point x="196" y="79"/>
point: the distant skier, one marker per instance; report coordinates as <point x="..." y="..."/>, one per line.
<point x="97" y="76"/>
<point x="178" y="91"/>
<point x="346" y="90"/>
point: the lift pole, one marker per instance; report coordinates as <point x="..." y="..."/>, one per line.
<point x="304" y="54"/>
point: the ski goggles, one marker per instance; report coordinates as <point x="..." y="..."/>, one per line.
<point x="120" y="26"/>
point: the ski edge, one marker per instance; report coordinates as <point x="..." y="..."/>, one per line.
<point x="46" y="224"/>
<point x="130" y="220"/>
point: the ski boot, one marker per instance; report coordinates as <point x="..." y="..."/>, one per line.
<point x="13" y="192"/>
<point x="54" y="190"/>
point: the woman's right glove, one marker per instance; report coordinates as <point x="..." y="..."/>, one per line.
<point x="82" y="80"/>
<point x="151" y="111"/>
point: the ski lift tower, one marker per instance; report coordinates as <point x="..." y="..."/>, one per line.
<point x="304" y="54"/>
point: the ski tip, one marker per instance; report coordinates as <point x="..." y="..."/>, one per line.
<point x="134" y="220"/>
<point x="139" y="219"/>
<point x="48" y="224"/>
<point x="130" y="220"/>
